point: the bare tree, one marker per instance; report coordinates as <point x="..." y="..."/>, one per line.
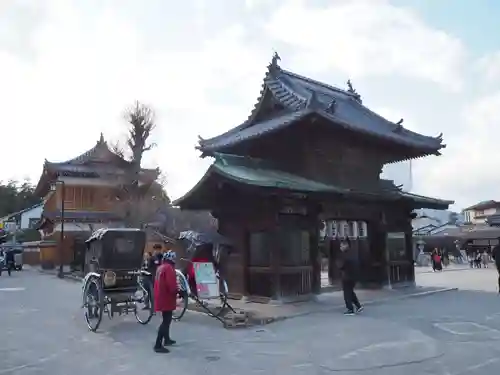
<point x="137" y="204"/>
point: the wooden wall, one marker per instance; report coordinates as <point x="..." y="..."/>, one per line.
<point x="85" y="198"/>
<point x="318" y="151"/>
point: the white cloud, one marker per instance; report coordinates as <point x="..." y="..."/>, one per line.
<point x="368" y="37"/>
<point x="489" y="67"/>
<point x="470" y="167"/>
<point x="86" y="61"/>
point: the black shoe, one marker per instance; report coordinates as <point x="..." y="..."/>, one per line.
<point x="359" y="309"/>
<point x="161" y="349"/>
<point x="169" y="342"/>
<point x="349" y="312"/>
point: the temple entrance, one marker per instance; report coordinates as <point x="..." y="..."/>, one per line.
<point x="333" y="232"/>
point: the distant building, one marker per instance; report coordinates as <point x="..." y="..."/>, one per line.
<point x="88" y="184"/>
<point x="24" y="219"/>
<point x="430" y="222"/>
<point x="480" y="212"/>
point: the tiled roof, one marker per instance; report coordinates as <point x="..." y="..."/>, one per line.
<point x="483" y="205"/>
<point x="97" y="162"/>
<point x="99" y="153"/>
<point x="233" y="137"/>
<point x="493" y="220"/>
<point x="249" y="171"/>
<point x="301" y="96"/>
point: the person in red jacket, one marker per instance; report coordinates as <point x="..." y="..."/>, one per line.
<point x="165" y="291"/>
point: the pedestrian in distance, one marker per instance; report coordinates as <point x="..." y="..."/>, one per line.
<point x="165" y="291"/>
<point x="496" y="258"/>
<point x="484" y="259"/>
<point x="349" y="271"/>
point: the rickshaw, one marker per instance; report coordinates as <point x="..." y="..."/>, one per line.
<point x="205" y="254"/>
<point x="114" y="281"/>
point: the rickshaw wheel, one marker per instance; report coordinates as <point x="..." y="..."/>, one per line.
<point x="145" y="300"/>
<point x="94" y="303"/>
<point x="182" y="296"/>
<point x="182" y="304"/>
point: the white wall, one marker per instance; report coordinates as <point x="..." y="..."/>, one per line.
<point x="35" y="213"/>
<point x="470" y="215"/>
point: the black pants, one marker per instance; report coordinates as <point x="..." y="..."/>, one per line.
<point x="148" y="285"/>
<point x="10" y="266"/>
<point x="350" y="297"/>
<point x="164" y="329"/>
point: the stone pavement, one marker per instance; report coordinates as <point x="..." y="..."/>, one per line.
<point x="451" y="267"/>
<point x="260" y="314"/>
<point x="451" y="333"/>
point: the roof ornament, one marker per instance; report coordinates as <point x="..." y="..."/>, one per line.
<point x="399" y="126"/>
<point x="350" y="88"/>
<point x="274" y="61"/>
<point x="101" y="138"/>
<point x="331" y="106"/>
<point x="439" y="137"/>
<point x="200" y="138"/>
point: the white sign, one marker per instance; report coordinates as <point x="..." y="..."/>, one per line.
<point x="206" y="280"/>
<point x="10" y="226"/>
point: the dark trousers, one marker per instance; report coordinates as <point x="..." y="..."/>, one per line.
<point x="164" y="329"/>
<point x="148" y="285"/>
<point x="350" y="297"/>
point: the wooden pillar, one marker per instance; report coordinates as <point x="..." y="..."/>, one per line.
<point x="276" y="266"/>
<point x="315" y="259"/>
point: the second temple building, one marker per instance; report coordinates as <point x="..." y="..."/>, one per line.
<point x="310" y="154"/>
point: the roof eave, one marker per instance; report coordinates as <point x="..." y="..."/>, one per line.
<point x="179" y="201"/>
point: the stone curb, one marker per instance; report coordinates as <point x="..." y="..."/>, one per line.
<point x="269" y="320"/>
<point x="447" y="270"/>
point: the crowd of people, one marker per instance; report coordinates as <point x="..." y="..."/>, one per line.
<point x="439" y="258"/>
<point x="478" y="259"/>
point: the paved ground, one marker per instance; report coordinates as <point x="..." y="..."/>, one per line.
<point x="451" y="333"/>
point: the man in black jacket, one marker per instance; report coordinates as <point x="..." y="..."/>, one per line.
<point x="349" y="269"/>
<point x="496" y="257"/>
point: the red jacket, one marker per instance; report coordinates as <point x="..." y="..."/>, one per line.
<point x="165" y="288"/>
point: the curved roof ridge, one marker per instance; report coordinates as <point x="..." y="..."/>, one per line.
<point x="396" y="127"/>
<point x="101" y="144"/>
<point x="319" y="83"/>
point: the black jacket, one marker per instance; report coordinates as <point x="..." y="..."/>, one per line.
<point x="9" y="256"/>
<point x="349" y="267"/>
<point x="152" y="265"/>
<point x="496" y="255"/>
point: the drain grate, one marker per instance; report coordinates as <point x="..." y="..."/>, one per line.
<point x="212" y="358"/>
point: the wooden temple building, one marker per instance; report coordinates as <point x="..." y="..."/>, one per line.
<point x="309" y="154"/>
<point x="88" y="185"/>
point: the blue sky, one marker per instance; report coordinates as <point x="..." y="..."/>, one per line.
<point x="475" y="22"/>
<point x="69" y="68"/>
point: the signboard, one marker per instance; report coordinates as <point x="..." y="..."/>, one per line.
<point x="207" y="284"/>
<point x="10" y="226"/>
